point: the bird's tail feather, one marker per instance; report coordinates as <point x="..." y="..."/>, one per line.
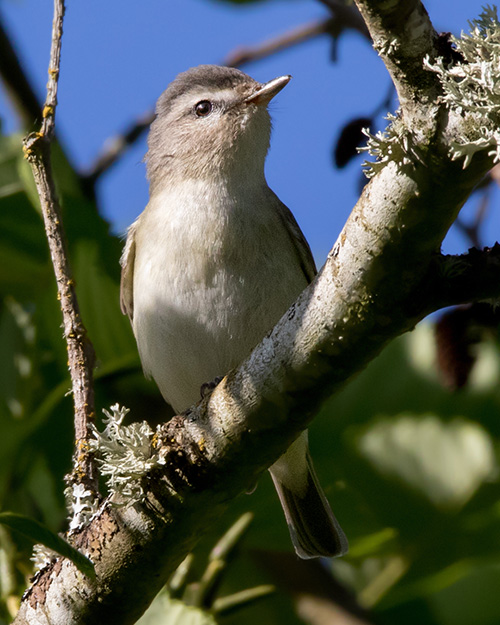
<point x="314" y="530"/>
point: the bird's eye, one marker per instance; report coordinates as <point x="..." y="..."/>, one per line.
<point x="203" y="108"/>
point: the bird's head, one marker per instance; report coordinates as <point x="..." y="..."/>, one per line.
<point x="211" y="121"/>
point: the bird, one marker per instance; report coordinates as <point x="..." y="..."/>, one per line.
<point x="214" y="261"/>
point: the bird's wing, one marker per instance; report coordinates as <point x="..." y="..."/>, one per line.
<point x="127" y="277"/>
<point x="298" y="240"/>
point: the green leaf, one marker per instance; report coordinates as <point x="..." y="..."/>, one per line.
<point x="24" y="268"/>
<point x="458" y="604"/>
<point x="446" y="462"/>
<point x="99" y="299"/>
<point x="38" y="533"/>
<point x="10" y="149"/>
<point x="372" y="543"/>
<point x="167" y="611"/>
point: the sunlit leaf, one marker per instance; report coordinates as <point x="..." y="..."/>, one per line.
<point x="166" y="611"/>
<point x="445" y="462"/>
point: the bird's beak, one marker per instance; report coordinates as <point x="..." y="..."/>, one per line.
<point x="268" y="90"/>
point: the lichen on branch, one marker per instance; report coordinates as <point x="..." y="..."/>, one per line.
<point x="125" y="454"/>
<point x="395" y="144"/>
<point x="470" y="89"/>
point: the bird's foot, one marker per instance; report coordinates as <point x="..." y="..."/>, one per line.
<point x="208" y="387"/>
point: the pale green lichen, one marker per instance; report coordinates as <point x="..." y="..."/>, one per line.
<point x="471" y="88"/>
<point x="125" y="455"/>
<point x="394" y="144"/>
<point x="41" y="557"/>
<point x="82" y="505"/>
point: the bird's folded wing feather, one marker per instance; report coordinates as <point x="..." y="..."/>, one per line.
<point x="298" y="240"/>
<point x="127" y="276"/>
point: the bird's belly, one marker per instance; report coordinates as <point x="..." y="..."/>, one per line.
<point x="194" y="323"/>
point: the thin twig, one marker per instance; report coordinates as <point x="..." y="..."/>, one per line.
<point x="80" y="350"/>
<point x="244" y="55"/>
<point x="115" y="147"/>
<point x="49" y="110"/>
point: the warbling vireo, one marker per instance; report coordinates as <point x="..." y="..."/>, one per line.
<point x="216" y="259"/>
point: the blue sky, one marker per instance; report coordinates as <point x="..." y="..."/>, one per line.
<point x="119" y="55"/>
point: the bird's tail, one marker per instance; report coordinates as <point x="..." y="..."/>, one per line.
<point x="314" y="530"/>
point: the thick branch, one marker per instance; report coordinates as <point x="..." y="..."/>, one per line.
<point x="403" y="36"/>
<point x="80" y="351"/>
<point x="471" y="277"/>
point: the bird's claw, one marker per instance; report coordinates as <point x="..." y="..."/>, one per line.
<point x="207" y="387"/>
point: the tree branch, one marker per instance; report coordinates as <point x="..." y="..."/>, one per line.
<point x="248" y="54"/>
<point x="403" y="36"/>
<point x="25" y="100"/>
<point x="471" y="277"/>
<point x="344" y="17"/>
<point x="472" y="229"/>
<point x="115" y="147"/>
<point x="80" y="350"/>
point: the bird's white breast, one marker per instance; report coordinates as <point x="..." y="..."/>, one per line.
<point x="214" y="270"/>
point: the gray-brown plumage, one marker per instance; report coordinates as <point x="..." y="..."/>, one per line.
<point x="215" y="260"/>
